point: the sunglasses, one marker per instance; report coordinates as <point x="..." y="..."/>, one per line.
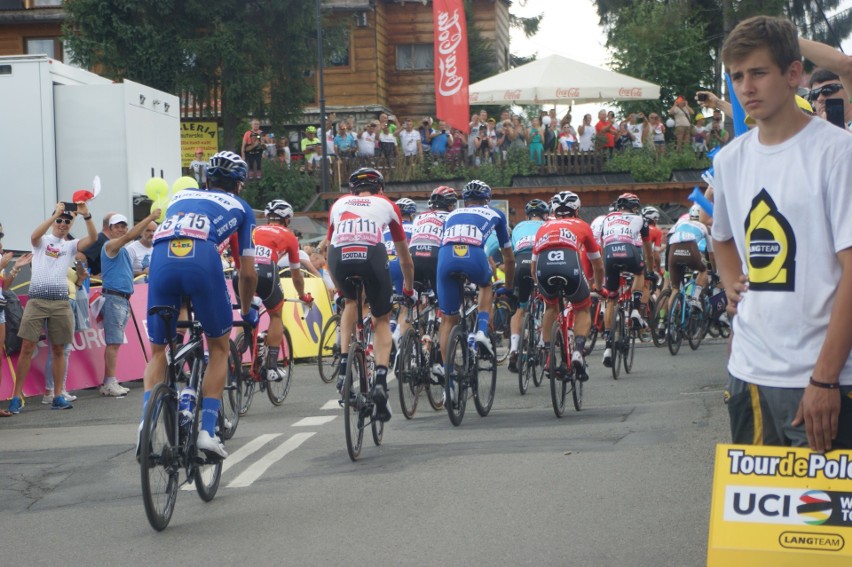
<point x="826" y="90"/>
<point x="2" y="234"/>
<point x="64" y="221"/>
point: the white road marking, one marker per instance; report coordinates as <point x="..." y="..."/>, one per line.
<point x="331" y="405"/>
<point x="252" y="473"/>
<point x="243" y="452"/>
<point x="314" y="421"/>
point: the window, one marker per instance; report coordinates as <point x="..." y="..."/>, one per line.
<point x="415" y="57"/>
<point x="43" y="3"/>
<point x="339" y="55"/>
<point x="50" y="46"/>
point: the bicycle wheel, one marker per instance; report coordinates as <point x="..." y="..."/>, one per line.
<point x="617" y="340"/>
<point x="502" y="331"/>
<point x="629" y="347"/>
<point x="695" y="328"/>
<point x="558" y="370"/>
<point x="724" y="330"/>
<point x="277" y="390"/>
<point x="354" y="400"/>
<point x="158" y="455"/>
<point x="232" y="399"/>
<point x="408" y="367"/>
<point x="328" y="358"/>
<point x="248" y="383"/>
<point x="526" y="348"/>
<point x="597" y="323"/>
<point x="378" y="429"/>
<point x="208" y="474"/>
<point x="485" y="381"/>
<point x="659" y="316"/>
<point x="435" y="388"/>
<point x="675" y="332"/>
<point x="455" y="379"/>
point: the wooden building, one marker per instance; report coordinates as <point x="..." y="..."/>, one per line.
<point x="30" y="27"/>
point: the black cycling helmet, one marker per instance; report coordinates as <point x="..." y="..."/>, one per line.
<point x="536" y="207"/>
<point x="627" y="201"/>
<point x="367" y="179"/>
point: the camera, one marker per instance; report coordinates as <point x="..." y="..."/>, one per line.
<point x="701" y="97"/>
<point x="70" y="207"/>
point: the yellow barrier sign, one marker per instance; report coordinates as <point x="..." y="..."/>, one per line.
<point x="774" y="506"/>
<point x="305" y="324"/>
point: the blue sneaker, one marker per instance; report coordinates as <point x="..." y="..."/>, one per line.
<point x="15" y="405"/>
<point x="59" y="402"/>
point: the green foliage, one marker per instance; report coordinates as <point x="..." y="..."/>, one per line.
<point x="281" y="182"/>
<point x="517" y="162"/>
<point x="646" y="167"/>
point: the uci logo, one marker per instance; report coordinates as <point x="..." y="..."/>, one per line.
<point x="770" y="247"/>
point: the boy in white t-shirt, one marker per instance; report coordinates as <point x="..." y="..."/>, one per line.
<point x="783" y="245"/>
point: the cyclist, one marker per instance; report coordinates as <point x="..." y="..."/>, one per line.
<point x="652" y="215"/>
<point x="523" y="239"/>
<point x="462" y="250"/>
<point x="689" y="240"/>
<point x="355" y="226"/>
<point x="560" y="245"/>
<point x="270" y="242"/>
<point x="408" y="209"/>
<point x="626" y="244"/>
<point x="185" y="262"/>
<point x="597" y="224"/>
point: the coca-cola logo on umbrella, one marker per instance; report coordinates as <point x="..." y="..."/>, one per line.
<point x="635" y="92"/>
<point x="449" y="38"/>
<point x="512" y="95"/>
<point x="571" y="92"/>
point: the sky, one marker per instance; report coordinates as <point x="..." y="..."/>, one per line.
<point x="577" y="36"/>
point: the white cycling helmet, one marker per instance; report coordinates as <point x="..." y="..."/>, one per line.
<point x="565" y="202"/>
<point x="279" y="208"/>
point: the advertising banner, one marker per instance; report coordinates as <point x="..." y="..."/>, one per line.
<point x="775" y="506"/>
<point x="193" y="135"/>
<point x="451" y="63"/>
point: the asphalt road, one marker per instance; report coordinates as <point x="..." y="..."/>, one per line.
<point x="626" y="481"/>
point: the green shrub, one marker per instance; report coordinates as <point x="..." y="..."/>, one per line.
<point x="646" y="167"/>
<point x="281" y="182"/>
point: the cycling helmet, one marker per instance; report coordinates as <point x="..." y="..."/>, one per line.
<point x="443" y="197"/>
<point x="279" y="208"/>
<point x="227" y="165"/>
<point x="476" y="189"/>
<point x="536" y="207"/>
<point x="651" y="214"/>
<point x="564" y="203"/>
<point x="367" y="179"/>
<point x="406" y="206"/>
<point x="694" y="212"/>
<point x="627" y="201"/>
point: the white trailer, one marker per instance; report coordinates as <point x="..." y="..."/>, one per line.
<point x="60" y="126"/>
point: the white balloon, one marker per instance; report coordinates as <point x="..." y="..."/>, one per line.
<point x="670" y="123"/>
<point x="546" y="120"/>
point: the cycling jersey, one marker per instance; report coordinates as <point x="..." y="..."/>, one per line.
<point x="523" y="235"/>
<point x="361" y="220"/>
<point x="597" y="226"/>
<point x="473" y="226"/>
<point x="688" y="230"/>
<point x="272" y="241"/>
<point x="572" y="233"/>
<point x="208" y="215"/>
<point x="622" y="227"/>
<point x="426" y="233"/>
<point x="655" y="235"/>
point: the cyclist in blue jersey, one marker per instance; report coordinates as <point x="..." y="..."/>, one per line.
<point x="689" y="239"/>
<point x="523" y="239"/>
<point x="462" y="251"/>
<point x="408" y="209"/>
<point x="185" y="262"/>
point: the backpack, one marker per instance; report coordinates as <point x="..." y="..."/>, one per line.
<point x="14" y="312"/>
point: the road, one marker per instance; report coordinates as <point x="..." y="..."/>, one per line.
<point x="626" y="481"/>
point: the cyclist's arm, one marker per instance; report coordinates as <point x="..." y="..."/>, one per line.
<point x="598" y="271"/>
<point x="649" y="254"/>
<point x="292" y="251"/>
<point x="248" y="273"/>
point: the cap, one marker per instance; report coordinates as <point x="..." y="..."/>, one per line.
<point x="491" y="120"/>
<point x="699" y="116"/>
<point x="679" y="100"/>
<point x="311" y="129"/>
<point x="115" y="219"/>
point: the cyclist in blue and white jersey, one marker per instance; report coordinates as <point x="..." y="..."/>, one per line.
<point x="185" y="262"/>
<point x="408" y="209"/>
<point x="688" y="241"/>
<point x="462" y="251"/>
<point x="523" y="239"/>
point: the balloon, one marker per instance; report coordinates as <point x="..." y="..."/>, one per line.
<point x="670" y="123"/>
<point x="156" y="188"/>
<point x="182" y="183"/>
<point x="161" y="204"/>
<point x="96" y="186"/>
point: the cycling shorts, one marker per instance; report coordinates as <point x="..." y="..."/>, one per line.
<point x="621" y="257"/>
<point x="523" y="282"/>
<point x="370" y="263"/>
<point x="269" y="287"/>
<point x="188" y="267"/>
<point x="459" y="258"/>
<point x="566" y="266"/>
<point x="425" y="267"/>
<point x="684" y="256"/>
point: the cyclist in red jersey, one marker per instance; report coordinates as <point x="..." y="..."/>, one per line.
<point x="560" y="245"/>
<point x="655" y="235"/>
<point x="270" y="242"/>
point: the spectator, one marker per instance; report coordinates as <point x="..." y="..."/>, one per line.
<point x="567" y="138"/>
<point x="710" y="100"/>
<point x="48" y="298"/>
<point x="329" y="136"/>
<point x="269" y="144"/>
<point x="455" y="150"/>
<point x="536" y="142"/>
<point x="587" y="134"/>
<point x="472" y="134"/>
<point x="198" y="167"/>
<point x="700" y="134"/>
<point x="426" y="133"/>
<point x="483" y="117"/>
<point x="658" y="133"/>
<point x="311" y="148"/>
<point x="504" y="119"/>
<point x="826" y="85"/>
<point x="252" y="151"/>
<point x="409" y="139"/>
<point x="387" y="142"/>
<point x="7" y="279"/>
<point x="117" y="289"/>
<point x="504" y="139"/>
<point x="521" y="137"/>
<point x="93" y="253"/>
<point x="831" y="62"/>
<point x="717" y="135"/>
<point x="550" y="135"/>
<point x="367" y="142"/>
<point x="638" y="129"/>
<point x="624" y="140"/>
<point x="440" y="140"/>
<point x="482" y="145"/>
<point x="140" y="250"/>
<point x="344" y="142"/>
<point x="605" y="131"/>
<point x="682" y="114"/>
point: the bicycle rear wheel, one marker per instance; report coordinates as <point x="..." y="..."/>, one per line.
<point x="158" y="454"/>
<point x="658" y="317"/>
<point x="328" y="358"/>
<point x="455" y="379"/>
<point x="434" y="389"/>
<point x="378" y="429"/>
<point x="277" y="390"/>
<point x="485" y="383"/>
<point x="248" y="384"/>
<point x="233" y="396"/>
<point x="617" y="340"/>
<point x="558" y="370"/>
<point x="354" y="399"/>
<point x="208" y="473"/>
<point x="597" y="323"/>
<point x="526" y="348"/>
<point x="675" y="332"/>
<point x="502" y="331"/>
<point x="408" y="367"/>
<point x="629" y="347"/>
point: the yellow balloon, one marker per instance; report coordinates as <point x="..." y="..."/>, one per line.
<point x="161" y="204"/>
<point x="182" y="183"/>
<point x="156" y="188"/>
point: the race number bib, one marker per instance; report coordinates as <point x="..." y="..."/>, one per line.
<point x="189" y="225"/>
<point x="463" y="234"/>
<point x="361" y="231"/>
<point x="262" y="255"/>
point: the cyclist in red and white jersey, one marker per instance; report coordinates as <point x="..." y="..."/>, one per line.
<point x="355" y="226"/>
<point x="560" y="245"/>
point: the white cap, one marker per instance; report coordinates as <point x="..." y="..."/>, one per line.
<point x="115" y="219"/>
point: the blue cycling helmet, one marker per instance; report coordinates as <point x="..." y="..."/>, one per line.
<point x="476" y="189"/>
<point x="407" y="206"/>
<point x="227" y="165"/>
<point x="536" y="207"/>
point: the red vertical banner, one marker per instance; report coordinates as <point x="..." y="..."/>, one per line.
<point x="451" y="64"/>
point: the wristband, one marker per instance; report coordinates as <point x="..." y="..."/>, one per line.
<point x="88" y="217"/>
<point x="824" y="385"/>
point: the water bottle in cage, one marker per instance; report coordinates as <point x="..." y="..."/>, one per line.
<point x="471" y="342"/>
<point x="261" y="345"/>
<point x="186" y="405"/>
